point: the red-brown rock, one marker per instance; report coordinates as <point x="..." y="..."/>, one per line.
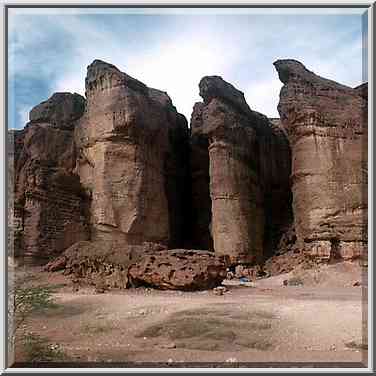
<point x="326" y="123"/>
<point x="60" y="111"/>
<point x="57" y="264"/>
<point x="178" y="269"/>
<point x="249" y="166"/>
<point x="129" y="159"/>
<point x="102" y="262"/>
<point x="50" y="206"/>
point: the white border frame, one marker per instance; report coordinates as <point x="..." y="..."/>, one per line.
<point x="3" y="260"/>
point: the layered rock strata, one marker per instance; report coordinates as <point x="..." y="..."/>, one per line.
<point x="249" y="168"/>
<point x="50" y="208"/>
<point x="326" y="123"/>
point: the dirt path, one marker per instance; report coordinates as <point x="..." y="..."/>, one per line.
<point x="267" y="323"/>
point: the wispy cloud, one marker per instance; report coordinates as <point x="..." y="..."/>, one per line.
<point x="23" y="114"/>
<point x="172" y="52"/>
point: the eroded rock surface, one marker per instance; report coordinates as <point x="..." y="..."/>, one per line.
<point x="120" y="175"/>
<point x="326" y="123"/>
<point x="50" y="208"/>
<point x="131" y="146"/>
<point x="116" y="265"/>
<point x="178" y="269"/>
<point x="249" y="167"/>
<point x="61" y="110"/>
<point x="101" y="262"/>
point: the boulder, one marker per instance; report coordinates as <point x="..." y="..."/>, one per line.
<point x="102" y="263"/>
<point x="113" y="264"/>
<point x="220" y="290"/>
<point x="178" y="269"/>
<point x="326" y="124"/>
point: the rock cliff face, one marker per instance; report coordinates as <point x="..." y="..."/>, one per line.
<point x="275" y="170"/>
<point x="326" y="125"/>
<point x="200" y="183"/>
<point x="249" y="167"/>
<point x="120" y="173"/>
<point x="128" y="159"/>
<point x="49" y="205"/>
<point x="15" y="208"/>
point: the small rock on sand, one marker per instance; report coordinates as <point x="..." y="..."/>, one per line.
<point x="220" y="290"/>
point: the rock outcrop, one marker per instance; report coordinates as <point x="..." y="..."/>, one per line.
<point x="117" y="184"/>
<point x="132" y="151"/>
<point x="60" y="111"/>
<point x="178" y="269"/>
<point x="326" y="123"/>
<point x="249" y="167"/>
<point x="50" y="208"/>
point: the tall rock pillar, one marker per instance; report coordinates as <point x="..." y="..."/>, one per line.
<point x="326" y="123"/>
<point x="126" y="160"/>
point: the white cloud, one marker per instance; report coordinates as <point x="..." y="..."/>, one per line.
<point x="174" y="64"/>
<point x="23" y="114"/>
<point x="263" y="96"/>
<point x="175" y="55"/>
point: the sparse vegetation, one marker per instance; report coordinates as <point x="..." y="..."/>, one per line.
<point x="27" y="299"/>
<point x="38" y="349"/>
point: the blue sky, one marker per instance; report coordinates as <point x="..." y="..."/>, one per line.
<point x="49" y="50"/>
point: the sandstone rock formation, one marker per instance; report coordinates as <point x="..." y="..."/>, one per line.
<point x="249" y="166"/>
<point x="179" y="269"/>
<point x="326" y="123"/>
<point x="49" y="205"/>
<point x="60" y="111"/>
<point x="132" y="146"/>
<point x="117" y="185"/>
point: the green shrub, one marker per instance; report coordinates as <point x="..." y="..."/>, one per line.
<point x="28" y="300"/>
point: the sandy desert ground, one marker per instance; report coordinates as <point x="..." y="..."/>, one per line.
<point x="320" y="323"/>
